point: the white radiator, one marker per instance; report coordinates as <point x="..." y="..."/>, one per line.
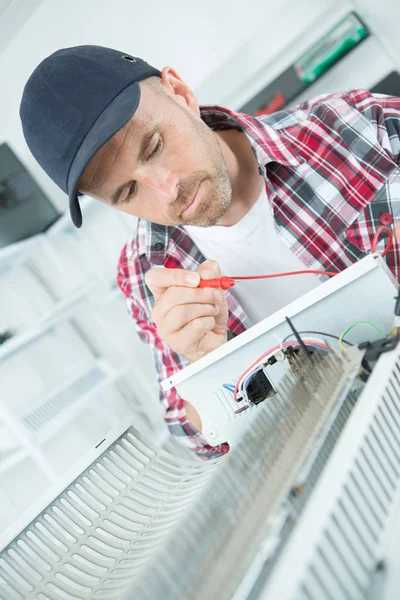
<point x="92" y="538"/>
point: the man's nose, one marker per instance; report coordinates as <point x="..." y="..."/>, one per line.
<point x="162" y="183"/>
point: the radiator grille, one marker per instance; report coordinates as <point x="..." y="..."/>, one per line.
<point x="351" y="505"/>
<point x="99" y="532"/>
<point x="347" y="552"/>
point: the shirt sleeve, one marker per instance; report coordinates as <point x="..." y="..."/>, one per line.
<point x="383" y="113"/>
<point x="130" y="280"/>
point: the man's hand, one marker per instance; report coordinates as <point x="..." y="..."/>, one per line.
<point x="191" y="320"/>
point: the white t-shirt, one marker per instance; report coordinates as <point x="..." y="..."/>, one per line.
<point x="253" y="247"/>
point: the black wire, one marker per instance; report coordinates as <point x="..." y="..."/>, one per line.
<point x="298" y="338"/>
<point x="336" y="337"/>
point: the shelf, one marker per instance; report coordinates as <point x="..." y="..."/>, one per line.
<point x="13" y="255"/>
<point x="65" y="308"/>
<point x="13" y="459"/>
<point x="62" y="406"/>
<point x="59" y="313"/>
<point x="68" y="401"/>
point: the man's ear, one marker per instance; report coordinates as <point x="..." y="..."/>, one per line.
<point x="179" y="90"/>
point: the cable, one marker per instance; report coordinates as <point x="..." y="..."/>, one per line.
<point x="225" y="283"/>
<point x="298" y="338"/>
<point x="244" y="380"/>
<point x="267" y="354"/>
<point x="229" y="387"/>
<point x="255" y="363"/>
<point x="323" y="333"/>
<point x="288" y="273"/>
<point x="341" y="340"/>
<point x="376" y="239"/>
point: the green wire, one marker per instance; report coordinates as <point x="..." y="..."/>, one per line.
<point x="353" y="325"/>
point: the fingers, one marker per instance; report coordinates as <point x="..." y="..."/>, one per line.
<point x="191" y="320"/>
<point x="180" y="296"/>
<point x="158" y="280"/>
<point x="179" y="316"/>
<point x="194" y="331"/>
<point x="209" y="269"/>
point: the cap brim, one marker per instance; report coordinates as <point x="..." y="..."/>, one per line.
<point x="111" y="120"/>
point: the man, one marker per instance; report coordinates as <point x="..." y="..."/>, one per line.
<point x="302" y="188"/>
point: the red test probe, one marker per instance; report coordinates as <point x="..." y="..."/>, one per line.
<point x="225" y="283"/>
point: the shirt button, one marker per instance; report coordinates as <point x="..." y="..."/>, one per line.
<point x="386" y="219"/>
<point x="159" y="246"/>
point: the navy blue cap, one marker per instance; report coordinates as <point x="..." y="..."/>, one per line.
<point x="75" y="101"/>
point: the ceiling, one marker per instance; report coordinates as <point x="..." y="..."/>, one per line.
<point x="13" y="14"/>
<point x="4" y="4"/>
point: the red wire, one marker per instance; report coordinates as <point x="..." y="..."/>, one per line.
<point x="225" y="283"/>
<point x="330" y="273"/>
<point x="376" y="239"/>
<point x="267" y="353"/>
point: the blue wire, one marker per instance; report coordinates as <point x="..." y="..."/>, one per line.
<point x="228" y="387"/>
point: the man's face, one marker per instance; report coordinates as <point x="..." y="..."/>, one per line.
<point x="165" y="165"/>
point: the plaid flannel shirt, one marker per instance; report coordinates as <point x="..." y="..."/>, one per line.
<point x="331" y="169"/>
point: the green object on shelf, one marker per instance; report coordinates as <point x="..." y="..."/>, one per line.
<point x="328" y="50"/>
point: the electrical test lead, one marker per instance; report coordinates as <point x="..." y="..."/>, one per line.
<point x="225" y="283"/>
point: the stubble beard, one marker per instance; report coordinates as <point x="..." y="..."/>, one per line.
<point x="216" y="196"/>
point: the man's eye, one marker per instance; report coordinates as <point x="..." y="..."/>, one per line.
<point x="156" y="148"/>
<point x="132" y="190"/>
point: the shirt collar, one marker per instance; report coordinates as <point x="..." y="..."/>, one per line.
<point x="269" y="144"/>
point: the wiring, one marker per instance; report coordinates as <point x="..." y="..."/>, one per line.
<point x="350" y="327"/>
<point x="245" y="376"/>
<point x="377" y="235"/>
<point x="229" y="387"/>
<point x="247" y="380"/>
<point x="226" y="282"/>
<point x="323" y="333"/>
<point x="287" y="274"/>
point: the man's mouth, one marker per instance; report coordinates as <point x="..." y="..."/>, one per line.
<point x="192" y="204"/>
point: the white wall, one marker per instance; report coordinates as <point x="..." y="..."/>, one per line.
<point x="290" y="33"/>
<point x="12" y="15"/>
<point x="383" y="18"/>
